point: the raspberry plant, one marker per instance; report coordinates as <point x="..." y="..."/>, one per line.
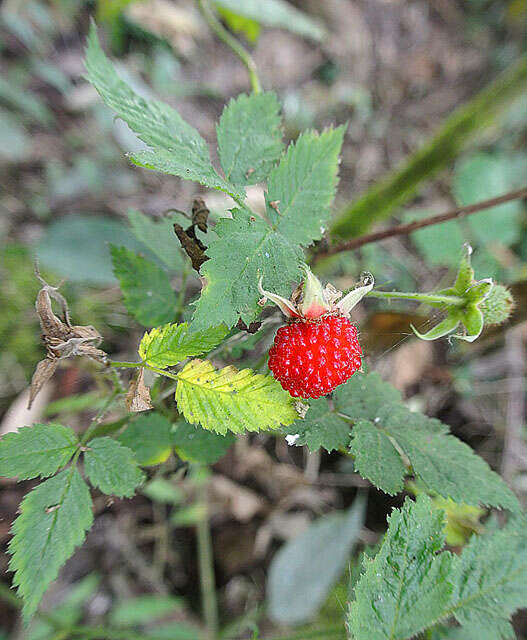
<point x="411" y="584"/>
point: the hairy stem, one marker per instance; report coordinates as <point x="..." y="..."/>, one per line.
<point x="419" y="297"/>
<point x="206" y="569"/>
<point x="222" y="33"/>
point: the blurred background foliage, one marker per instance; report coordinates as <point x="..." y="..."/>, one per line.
<point x="395" y="71"/>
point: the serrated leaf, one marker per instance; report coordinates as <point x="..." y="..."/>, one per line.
<point x="158" y="235"/>
<point x="149" y="437"/>
<point x="250" y="137"/>
<point x="53" y="520"/>
<point x="406" y="588"/>
<point x="166" y="346"/>
<point x="195" y="444"/>
<point x="304" y="570"/>
<point x="146" y="288"/>
<point x="303" y="185"/>
<point x="275" y="13"/>
<point x="232" y="400"/>
<point x="376" y="458"/>
<point x="246" y="246"/>
<point x="492" y="582"/>
<point x="321" y="428"/>
<point x="176" y="147"/>
<point x="441" y="461"/>
<point x="363" y="395"/>
<point x="40" y="450"/>
<point x="112" y="467"/>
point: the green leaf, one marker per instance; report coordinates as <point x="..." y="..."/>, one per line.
<point x="232" y="400"/>
<point x="250" y="137"/>
<point x="199" y="445"/>
<point x="53" y="520"/>
<point x="176" y="147"/>
<point x="321" y="427"/>
<point x="363" y="395"/>
<point x="143" y="609"/>
<point x="158" y="235"/>
<point x="40" y="450"/>
<point x="149" y="437"/>
<point x="112" y="467"/>
<point x="161" y="490"/>
<point x="146" y="288"/>
<point x="275" y="13"/>
<point x="444" y="463"/>
<point x="407" y="587"/>
<point x="304" y="570"/>
<point x="304" y="184"/>
<point x="492" y="582"/>
<point x="376" y="458"/>
<point x="483" y="176"/>
<point x="166" y="346"/>
<point x="246" y="246"/>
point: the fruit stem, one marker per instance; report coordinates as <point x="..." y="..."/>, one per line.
<point x="433" y="298"/>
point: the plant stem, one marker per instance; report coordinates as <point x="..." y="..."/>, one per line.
<point x="459" y="128"/>
<point x="432" y="298"/>
<point x="128" y="365"/>
<point x="404" y="229"/>
<point x="333" y="631"/>
<point x="222" y="33"/>
<point x="206" y="568"/>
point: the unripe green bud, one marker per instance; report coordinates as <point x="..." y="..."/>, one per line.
<point x="498" y="305"/>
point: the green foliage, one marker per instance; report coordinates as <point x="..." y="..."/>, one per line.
<point x="112" y="467"/>
<point x="175" y="147"/>
<point x="305" y="569"/>
<point x="158" y="235"/>
<point x="363" y="395"/>
<point x="166" y="346"/>
<point x="302" y="188"/>
<point x="53" y="520"/>
<point x="232" y="400"/>
<point x="143" y="609"/>
<point x="250" y="137"/>
<point x="409" y="587"/>
<point x="275" y="13"/>
<point x="40" y="450"/>
<point x="149" y="437"/>
<point x="199" y="445"/>
<point x="406" y="588"/>
<point x="146" y="288"/>
<point x="321" y="428"/>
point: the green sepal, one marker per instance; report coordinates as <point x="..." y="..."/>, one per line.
<point x="479" y="290"/>
<point x="465" y="274"/>
<point x="446" y="326"/>
<point x="473" y="321"/>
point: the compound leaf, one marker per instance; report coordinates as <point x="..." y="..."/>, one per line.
<point x="146" y="288"/>
<point x="40" y="450"/>
<point x="363" y="395"/>
<point x="301" y="189"/>
<point x="149" y="437"/>
<point x="53" y="520"/>
<point x="158" y="236"/>
<point x="166" y="346"/>
<point x="250" y="137"/>
<point x="112" y="467"/>
<point x="175" y="147"/>
<point x="407" y="587"/>
<point x="232" y="400"/>
<point x="321" y="428"/>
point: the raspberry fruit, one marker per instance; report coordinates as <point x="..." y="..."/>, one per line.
<point x="318" y="349"/>
<point x="311" y="358"/>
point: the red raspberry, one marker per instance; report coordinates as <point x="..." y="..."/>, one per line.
<point x="311" y="358"/>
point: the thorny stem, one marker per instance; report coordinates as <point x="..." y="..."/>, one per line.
<point x="206" y="569"/>
<point x="405" y="229"/>
<point x="432" y="298"/>
<point x="222" y="33"/>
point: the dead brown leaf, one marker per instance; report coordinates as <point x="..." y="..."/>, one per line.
<point x="138" y="396"/>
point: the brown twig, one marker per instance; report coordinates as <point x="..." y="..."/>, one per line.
<point x="405" y="229"/>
